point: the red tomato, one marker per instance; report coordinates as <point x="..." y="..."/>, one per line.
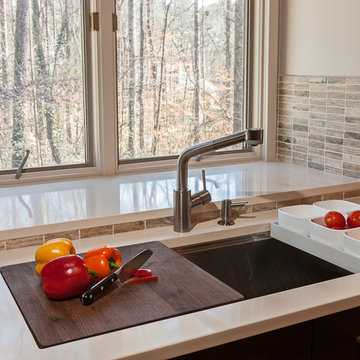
<point x="353" y="219"/>
<point x="334" y="218"/>
<point x="339" y="228"/>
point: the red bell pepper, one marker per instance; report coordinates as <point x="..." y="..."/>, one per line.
<point x="102" y="261"/>
<point x="65" y="277"/>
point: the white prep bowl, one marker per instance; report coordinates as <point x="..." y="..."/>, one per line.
<point x="319" y="231"/>
<point x="296" y="218"/>
<point x="351" y="243"/>
<point x="342" y="206"/>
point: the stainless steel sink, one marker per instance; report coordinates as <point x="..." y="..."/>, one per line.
<point x="258" y="265"/>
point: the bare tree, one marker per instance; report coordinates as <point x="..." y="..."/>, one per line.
<point x="3" y="47"/>
<point x="141" y="79"/>
<point x="238" y="67"/>
<point x="121" y="65"/>
<point x="67" y="56"/>
<point x="227" y="50"/>
<point x="149" y="29"/>
<point x="39" y="74"/>
<point x="203" y="76"/>
<point x="196" y="73"/>
<point x="227" y="35"/>
<point x="162" y="65"/>
<point x="18" y="143"/>
<point x="43" y="75"/>
<point x="34" y="102"/>
<point x="131" y="103"/>
<point x="4" y="65"/>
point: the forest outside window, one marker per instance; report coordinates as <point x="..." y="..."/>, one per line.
<point x="41" y="84"/>
<point x="180" y="74"/>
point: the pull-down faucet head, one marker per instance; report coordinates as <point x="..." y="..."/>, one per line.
<point x="254" y="137"/>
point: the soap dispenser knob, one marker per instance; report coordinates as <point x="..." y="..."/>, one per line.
<point x="226" y="206"/>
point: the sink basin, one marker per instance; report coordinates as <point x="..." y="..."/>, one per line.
<point x="258" y="265"/>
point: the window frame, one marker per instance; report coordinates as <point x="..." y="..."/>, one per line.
<point x="101" y="95"/>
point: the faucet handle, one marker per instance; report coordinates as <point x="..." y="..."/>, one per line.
<point x="202" y="197"/>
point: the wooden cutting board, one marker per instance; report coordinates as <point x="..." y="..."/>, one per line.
<point x="182" y="288"/>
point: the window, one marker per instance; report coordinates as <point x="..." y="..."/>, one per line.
<point x="41" y="84"/>
<point x="174" y="74"/>
<point x="180" y="67"/>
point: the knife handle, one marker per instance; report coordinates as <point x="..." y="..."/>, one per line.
<point x="96" y="290"/>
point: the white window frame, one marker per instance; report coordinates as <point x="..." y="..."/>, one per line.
<point x="262" y="99"/>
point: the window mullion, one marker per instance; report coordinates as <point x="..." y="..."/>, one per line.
<point x="104" y="90"/>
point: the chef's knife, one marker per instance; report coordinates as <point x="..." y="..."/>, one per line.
<point x="124" y="273"/>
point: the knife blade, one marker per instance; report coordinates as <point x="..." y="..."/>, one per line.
<point x="124" y="273"/>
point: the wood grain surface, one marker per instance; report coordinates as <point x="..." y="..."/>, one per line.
<point x="182" y="288"/>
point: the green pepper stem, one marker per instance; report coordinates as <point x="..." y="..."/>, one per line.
<point x="93" y="273"/>
<point x="113" y="265"/>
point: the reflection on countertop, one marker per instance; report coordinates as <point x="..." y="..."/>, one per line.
<point x="57" y="202"/>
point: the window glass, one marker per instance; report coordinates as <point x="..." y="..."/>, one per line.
<point x="180" y="74"/>
<point x="41" y="83"/>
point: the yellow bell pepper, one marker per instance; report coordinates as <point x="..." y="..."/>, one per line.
<point x="52" y="249"/>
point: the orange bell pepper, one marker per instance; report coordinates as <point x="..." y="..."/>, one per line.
<point x="102" y="261"/>
<point x="52" y="249"/>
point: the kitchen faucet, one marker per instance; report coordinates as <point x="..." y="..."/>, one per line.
<point x="183" y="200"/>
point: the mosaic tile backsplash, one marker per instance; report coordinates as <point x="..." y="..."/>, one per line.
<point x="318" y="123"/>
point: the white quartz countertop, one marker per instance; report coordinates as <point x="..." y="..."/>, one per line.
<point x="178" y="335"/>
<point x="101" y="197"/>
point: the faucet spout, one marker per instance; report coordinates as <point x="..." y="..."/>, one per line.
<point x="182" y="195"/>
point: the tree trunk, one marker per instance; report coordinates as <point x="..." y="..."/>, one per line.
<point x="122" y="92"/>
<point x="152" y="57"/>
<point x="18" y="138"/>
<point x="4" y="66"/>
<point x="238" y="68"/>
<point x="34" y="103"/>
<point x="47" y="31"/>
<point x="131" y="103"/>
<point x="202" y="62"/>
<point x="162" y="64"/>
<point x="196" y="74"/>
<point x="141" y="79"/>
<point x="12" y="22"/>
<point x="42" y="75"/>
<point x="49" y="114"/>
<point x="227" y="36"/>
<point x="67" y="55"/>
<point x="3" y="42"/>
<point x="227" y="51"/>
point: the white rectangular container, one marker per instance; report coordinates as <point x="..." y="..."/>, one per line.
<point x="319" y="231"/>
<point x="296" y="218"/>
<point x="351" y="243"/>
<point x="342" y="206"/>
<point x="328" y="253"/>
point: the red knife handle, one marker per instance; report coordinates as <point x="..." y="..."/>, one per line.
<point x="89" y="296"/>
<point x="142" y="279"/>
<point x="142" y="273"/>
